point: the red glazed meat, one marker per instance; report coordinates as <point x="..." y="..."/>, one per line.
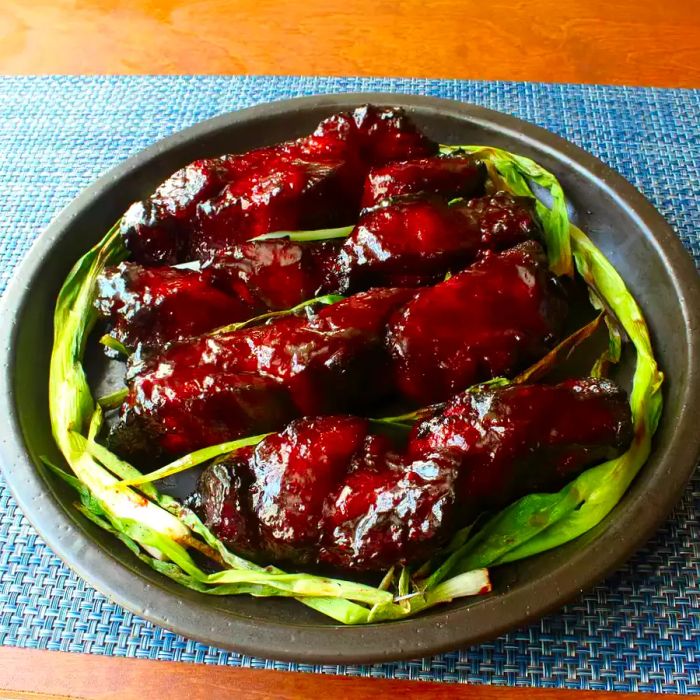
<point x="177" y="414"/>
<point x="289" y="197"/>
<point x="333" y="361"/>
<point x="446" y="176"/>
<point x="292" y="474"/>
<point x="389" y="509"/>
<point x="157" y="230"/>
<point x="524" y="438"/>
<point x="155" y="305"/>
<point x="267" y="501"/>
<point x="503" y="220"/>
<point x="323" y="490"/>
<point x="379" y="134"/>
<point x="274" y="275"/>
<point x="154" y="230"/>
<point x="410" y="243"/>
<point x="490" y="320"/>
<point x="415" y="241"/>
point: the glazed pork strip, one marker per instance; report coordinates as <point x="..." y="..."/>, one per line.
<point x="485" y="321"/>
<point x="413" y="242"/>
<point x="182" y="399"/>
<point x="410" y="243"/>
<point x="289" y="197"/>
<point x="298" y="196"/>
<point x="156" y="305"/>
<point x="157" y="230"/>
<point x="498" y="316"/>
<point x="326" y="490"/>
<point x="525" y="438"/>
<point x="446" y="176"/>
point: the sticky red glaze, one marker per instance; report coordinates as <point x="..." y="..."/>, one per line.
<point x="388" y="510"/>
<point x="525" y="438"/>
<point x="324" y="490"/>
<point x="153" y="229"/>
<point x="415" y="241"/>
<point x="503" y="220"/>
<point x="292" y="474"/>
<point x="338" y="359"/>
<point x="179" y="413"/>
<point x="223" y="500"/>
<point x="334" y="361"/>
<point x="156" y="305"/>
<point x="412" y="242"/>
<point x="289" y="197"/>
<point x="409" y="243"/>
<point x="267" y="501"/>
<point x="289" y="346"/>
<point x="274" y="275"/>
<point x="446" y="176"/>
<point x="490" y="320"/>
<point x="157" y="229"/>
<point x="380" y="135"/>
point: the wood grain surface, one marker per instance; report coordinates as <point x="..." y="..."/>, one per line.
<point x="35" y="674"/>
<point x="635" y="42"/>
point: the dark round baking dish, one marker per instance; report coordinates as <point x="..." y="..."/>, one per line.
<point x="619" y="219"/>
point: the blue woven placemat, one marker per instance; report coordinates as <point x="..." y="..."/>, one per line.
<point x="639" y="630"/>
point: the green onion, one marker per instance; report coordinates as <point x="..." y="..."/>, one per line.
<point x="113" y="344"/>
<point x="113" y="400"/>
<point x="322" y="234"/>
<point x="468" y="584"/>
<point x="406" y="420"/>
<point x="206" y="454"/>
<point x="517" y="172"/>
<point x="70" y="403"/>
<point x="560" y="353"/>
<point x="611" y="354"/>
<point x="326" y="299"/>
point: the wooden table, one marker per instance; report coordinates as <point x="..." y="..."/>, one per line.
<point x="41" y="675"/>
<point x="635" y="42"/>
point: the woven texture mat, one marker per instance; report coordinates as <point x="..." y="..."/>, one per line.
<point x="639" y="630"/>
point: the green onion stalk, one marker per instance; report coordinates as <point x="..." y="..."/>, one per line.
<point x="323" y="234"/>
<point x="325" y="300"/>
<point x="162" y="532"/>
